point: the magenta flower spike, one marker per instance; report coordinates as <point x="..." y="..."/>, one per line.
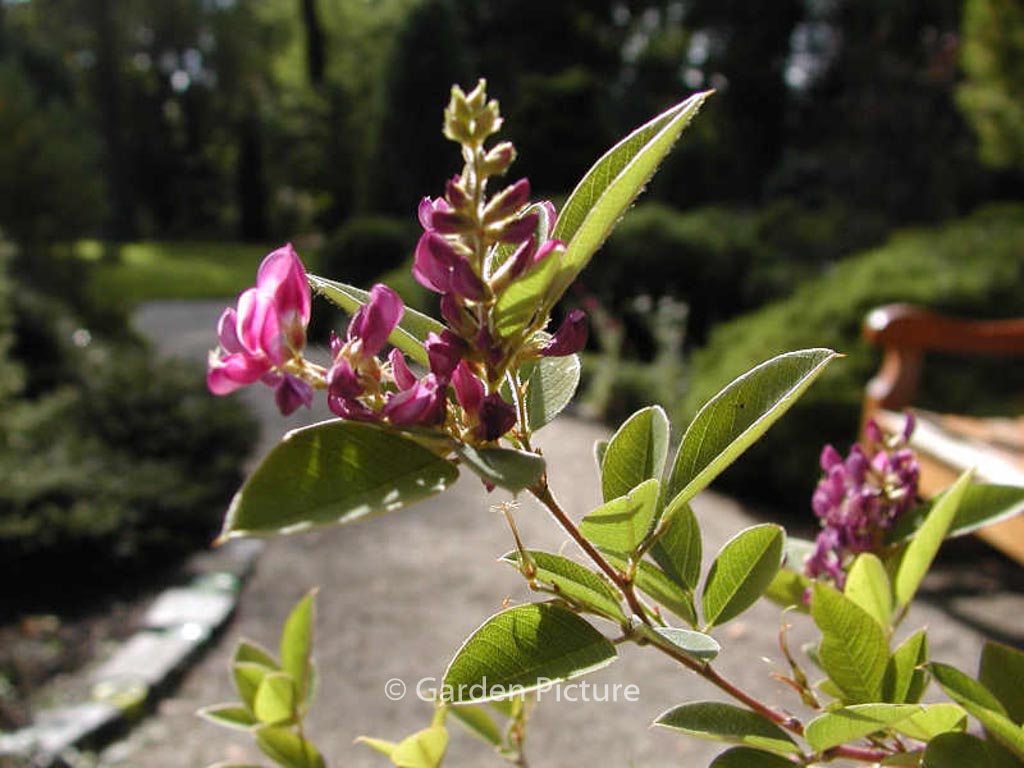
<point x="265" y="333"/>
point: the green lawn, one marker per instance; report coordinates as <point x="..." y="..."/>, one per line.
<point x="174" y="270"/>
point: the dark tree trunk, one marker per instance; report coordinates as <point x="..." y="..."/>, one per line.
<point x="252" y="193"/>
<point x="120" y="225"/>
<point x="316" y="51"/>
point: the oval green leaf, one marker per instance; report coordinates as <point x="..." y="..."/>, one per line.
<point x="608" y="189"/>
<point x="654" y="583"/>
<point x="933" y="720"/>
<point x="982" y="704"/>
<point x="738" y="415"/>
<point x="334" y="472"/>
<point x="742" y="571"/>
<point x="275" y="699"/>
<point x="636" y="452"/>
<point x="573" y="581"/>
<point x="956" y="750"/>
<point x="551" y="383"/>
<point x="506" y="468"/>
<point x="748" y="757"/>
<point x="408" y="335"/>
<point x="522" y="649"/>
<point x="678" y="548"/>
<point x="1002" y="672"/>
<point x="696" y="645"/>
<point x="853" y="651"/>
<point x="851" y="723"/>
<point x="905" y="677"/>
<point x="478" y="722"/>
<point x="622" y="524"/>
<point x="718" y="721"/>
<point x="982" y="504"/>
<point x="229" y="716"/>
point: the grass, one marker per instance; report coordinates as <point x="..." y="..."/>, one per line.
<point x="173" y="270"/>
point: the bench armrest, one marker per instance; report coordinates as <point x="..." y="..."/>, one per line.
<point x="905" y="332"/>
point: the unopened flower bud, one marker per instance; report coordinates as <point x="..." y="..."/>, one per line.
<point x="498" y="159"/>
<point x="570" y="338"/>
<point x="508" y="202"/>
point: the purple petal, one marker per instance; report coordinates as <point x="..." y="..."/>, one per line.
<point x="374" y="321"/>
<point x="253" y="308"/>
<point x="291" y="393"/>
<point x="830" y="458"/>
<point x="423" y="404"/>
<point x="454" y="315"/>
<point x="570" y="338"/>
<point x="444" y="353"/>
<point x="342" y="380"/>
<point x="227" y="331"/>
<point x="546" y="249"/>
<point x="403" y="377"/>
<point x="469" y="390"/>
<point x="428" y="207"/>
<point x="227" y="374"/>
<point x="466" y="283"/>
<point x="496" y="416"/>
<point x="873" y="433"/>
<point x="520" y="229"/>
<point x="433" y="263"/>
<point x="908" y="426"/>
<point x="282" y="275"/>
<point x="348" y="408"/>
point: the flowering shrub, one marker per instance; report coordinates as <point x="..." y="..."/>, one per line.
<point x="470" y="392"/>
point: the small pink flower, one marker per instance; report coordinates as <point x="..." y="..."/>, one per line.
<point x="490" y="416"/>
<point x="421" y="404"/>
<point x="265" y="332"/>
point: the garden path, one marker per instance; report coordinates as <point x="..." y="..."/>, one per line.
<point x="400" y="592"/>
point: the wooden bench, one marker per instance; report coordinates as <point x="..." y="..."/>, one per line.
<point x="948" y="444"/>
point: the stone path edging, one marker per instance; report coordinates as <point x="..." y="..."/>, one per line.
<point x="178" y="624"/>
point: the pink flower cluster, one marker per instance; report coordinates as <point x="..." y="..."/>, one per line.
<point x="860" y="497"/>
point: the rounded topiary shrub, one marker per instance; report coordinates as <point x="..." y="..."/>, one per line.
<point x="973" y="267"/>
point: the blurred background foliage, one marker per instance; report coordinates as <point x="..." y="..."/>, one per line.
<point x="857" y="151"/>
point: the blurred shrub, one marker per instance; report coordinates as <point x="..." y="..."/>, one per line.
<point x="971" y="267"/>
<point x="113" y="463"/>
<point x="721" y="261"/>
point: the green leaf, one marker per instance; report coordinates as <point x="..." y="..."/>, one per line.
<point x="956" y="750"/>
<point x="718" y="721"/>
<point x="1002" y="672"/>
<point x="478" y="722"/>
<point x="522" y="649"/>
<point x="982" y="504"/>
<point x="288" y="748"/>
<point x="551" y="383"/>
<point x="610" y="186"/>
<point x="622" y="524"/>
<point x="982" y="704"/>
<point x="296" y="643"/>
<point x="410" y="333"/>
<point x="383" y="746"/>
<point x="424" y="749"/>
<point x="748" y="757"/>
<point x="696" y="645"/>
<point x="600" y="451"/>
<point x="653" y="582"/>
<point x="504" y="467"/>
<point x="248" y="675"/>
<point x="853" y="650"/>
<point x="738" y="415"/>
<point x="229" y="715"/>
<point x="334" y="472"/>
<point x="867" y="584"/>
<point x="521" y="305"/>
<point x="917" y="558"/>
<point x="787" y="589"/>
<point x="851" y="723"/>
<point x="678" y="549"/>
<point x="636" y="452"/>
<point x="573" y="581"/>
<point x="275" y="699"/>
<point x="248" y="651"/>
<point x="905" y="676"/>
<point x="741" y="572"/>
<point x="933" y="720"/>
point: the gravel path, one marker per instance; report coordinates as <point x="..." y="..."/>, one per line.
<point x="400" y="592"/>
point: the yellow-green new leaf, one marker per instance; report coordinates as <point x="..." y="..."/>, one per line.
<point x="867" y="584"/>
<point x="933" y="720"/>
<point x="919" y="554"/>
<point x="297" y="643"/>
<point x="275" y="699"/>
<point x="424" y="749"/>
<point x="851" y="723"/>
<point x="288" y="748"/>
<point x="982" y="704"/>
<point x="905" y="676"/>
<point x="622" y="524"/>
<point x="478" y="722"/>
<point x="853" y="651"/>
